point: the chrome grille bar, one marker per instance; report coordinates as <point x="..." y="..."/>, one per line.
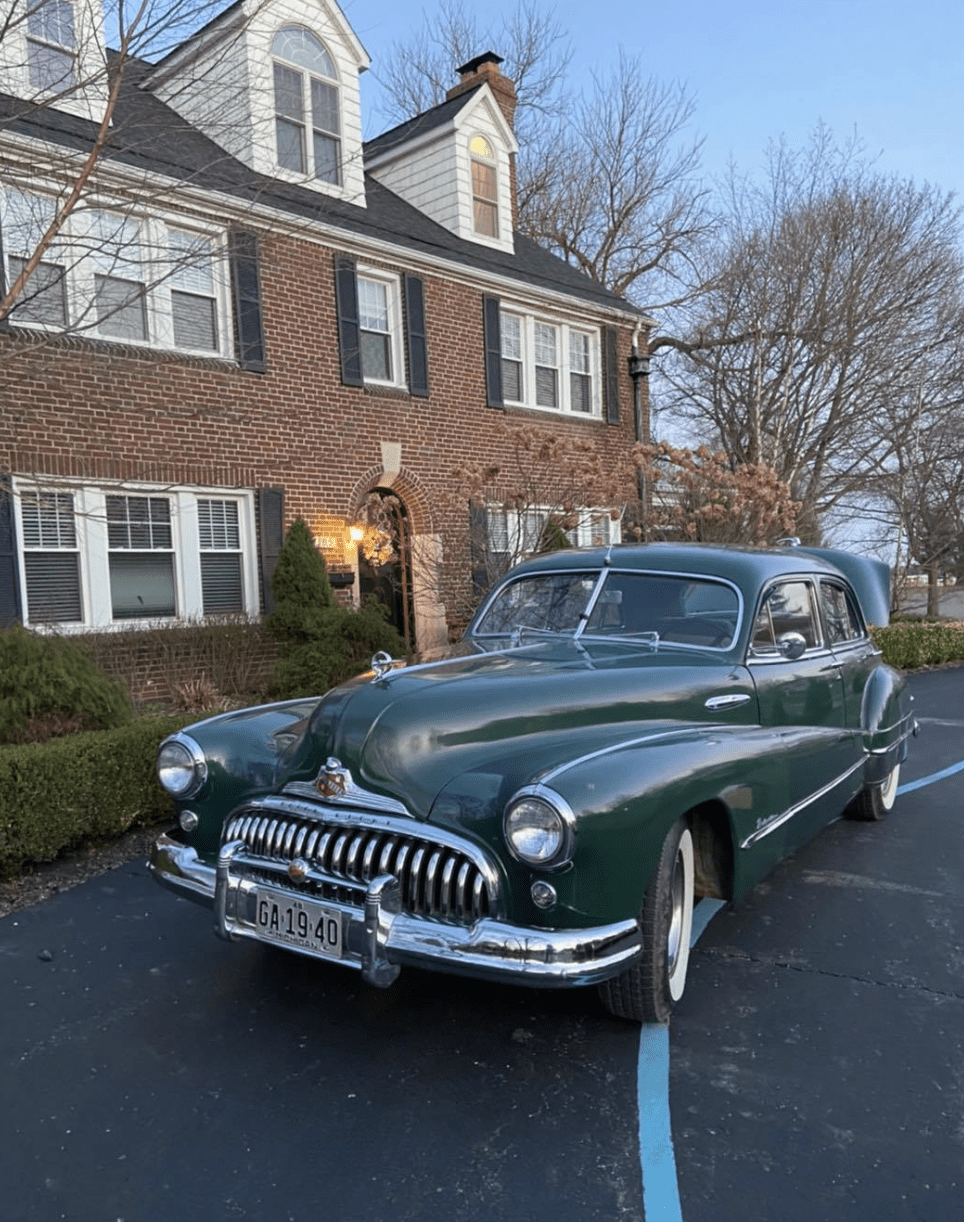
<point x="436" y="879"/>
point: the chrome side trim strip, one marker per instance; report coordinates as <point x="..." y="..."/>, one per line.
<point x="628" y="742"/>
<point x="775" y="821"/>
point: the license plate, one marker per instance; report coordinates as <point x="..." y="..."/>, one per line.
<point x="292" y="921"/>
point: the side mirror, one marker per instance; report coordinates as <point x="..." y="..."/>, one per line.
<point x="792" y="645"/>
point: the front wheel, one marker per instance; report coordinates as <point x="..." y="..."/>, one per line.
<point x="875" y="801"/>
<point x="647" y="991"/>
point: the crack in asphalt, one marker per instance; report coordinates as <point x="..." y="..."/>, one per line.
<point x="768" y="961"/>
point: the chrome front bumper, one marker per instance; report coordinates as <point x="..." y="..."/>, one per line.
<point x="380" y="939"/>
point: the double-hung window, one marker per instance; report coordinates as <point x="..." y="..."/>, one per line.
<point x="43" y="300"/>
<point x="92" y="557"/>
<point x="51" y="46"/>
<point x="129" y="278"/>
<point x="307" y="121"/>
<point x="485" y="195"/>
<point x="514" y="534"/>
<point x="141" y="557"/>
<point x="194" y="304"/>
<point x="120" y="294"/>
<point x="219" y="537"/>
<point x="380" y="329"/>
<point x="51" y="558"/>
<point x="549" y="365"/>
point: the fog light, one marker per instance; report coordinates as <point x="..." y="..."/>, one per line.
<point x="543" y="894"/>
<point x="188" y="820"/>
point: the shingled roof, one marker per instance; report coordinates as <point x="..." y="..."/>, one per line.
<point x="149" y="136"/>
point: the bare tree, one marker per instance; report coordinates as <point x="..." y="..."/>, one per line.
<point x="830" y="289"/>
<point x="607" y="178"/>
<point x="533" y="44"/>
<point x="614" y="189"/>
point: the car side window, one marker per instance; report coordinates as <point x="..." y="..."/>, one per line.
<point x="840" y="615"/>
<point x="787" y="607"/>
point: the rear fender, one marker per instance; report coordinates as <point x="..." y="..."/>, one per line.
<point x="886" y="722"/>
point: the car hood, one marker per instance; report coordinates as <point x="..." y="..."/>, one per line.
<point x="512" y="715"/>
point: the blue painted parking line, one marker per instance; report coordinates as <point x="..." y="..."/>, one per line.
<point x="658" y="1162"/>
<point x="660" y="1185"/>
<point x="929" y="780"/>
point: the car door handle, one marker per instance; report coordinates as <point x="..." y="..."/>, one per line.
<point x="727" y="702"/>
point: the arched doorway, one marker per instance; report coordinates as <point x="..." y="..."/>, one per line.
<point x="385" y="561"/>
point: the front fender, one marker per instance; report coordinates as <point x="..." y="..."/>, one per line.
<point x="626" y="800"/>
<point x="244" y="752"/>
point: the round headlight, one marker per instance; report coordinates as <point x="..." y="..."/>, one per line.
<point x="180" y="766"/>
<point x="536" y="831"/>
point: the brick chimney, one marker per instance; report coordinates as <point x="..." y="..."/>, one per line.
<point x="485" y="68"/>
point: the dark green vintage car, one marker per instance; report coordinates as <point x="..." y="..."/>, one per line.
<point x="621" y="732"/>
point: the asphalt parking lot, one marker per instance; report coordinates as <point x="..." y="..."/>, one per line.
<point x="815" y="1067"/>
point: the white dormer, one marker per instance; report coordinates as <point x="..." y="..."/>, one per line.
<point x="276" y="85"/>
<point x="52" y="53"/>
<point x="455" y="162"/>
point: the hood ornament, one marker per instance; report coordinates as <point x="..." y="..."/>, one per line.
<point x="333" y="781"/>
<point x="382" y="663"/>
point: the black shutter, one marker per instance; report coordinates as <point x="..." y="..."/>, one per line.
<point x="415" y="338"/>
<point x="493" y="351"/>
<point x="246" y="287"/>
<point x="9" y="584"/>
<point x="271" y="518"/>
<point x="349" y="335"/>
<point x="611" y="374"/>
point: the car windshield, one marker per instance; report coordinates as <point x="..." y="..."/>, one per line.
<point x="648" y="607"/>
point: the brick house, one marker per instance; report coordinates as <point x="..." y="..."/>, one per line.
<point x="254" y="316"/>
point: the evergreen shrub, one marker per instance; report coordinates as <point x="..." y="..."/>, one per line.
<point x="90" y="787"/>
<point x="320" y="643"/>
<point x="50" y="686"/>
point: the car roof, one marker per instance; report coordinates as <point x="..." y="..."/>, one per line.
<point x="745" y="566"/>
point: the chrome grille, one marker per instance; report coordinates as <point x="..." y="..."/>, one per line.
<point x="436" y="879"/>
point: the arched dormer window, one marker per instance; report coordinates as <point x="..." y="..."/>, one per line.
<point x="307" y="120"/>
<point x="51" y="46"/>
<point x="485" y="208"/>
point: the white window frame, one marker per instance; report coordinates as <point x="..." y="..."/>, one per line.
<point x="38" y="38"/>
<point x="482" y="153"/>
<point x="91" y="535"/>
<point x="306" y="123"/>
<point x="393" y="298"/>
<point x="523" y="529"/>
<point x="144" y="256"/>
<point x="529" y="325"/>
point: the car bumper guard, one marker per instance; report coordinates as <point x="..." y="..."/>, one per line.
<point x="379" y="938"/>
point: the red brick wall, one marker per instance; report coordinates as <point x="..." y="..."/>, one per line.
<point x="77" y="408"/>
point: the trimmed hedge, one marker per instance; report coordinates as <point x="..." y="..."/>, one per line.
<point x="907" y="644"/>
<point x="58" y="795"/>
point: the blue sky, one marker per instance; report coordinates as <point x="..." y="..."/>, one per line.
<point x="892" y="71"/>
